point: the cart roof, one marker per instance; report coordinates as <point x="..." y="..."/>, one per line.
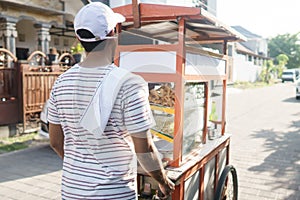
<point x="161" y="22"/>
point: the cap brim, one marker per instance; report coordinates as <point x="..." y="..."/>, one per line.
<point x="119" y="18"/>
<point x="96" y="39"/>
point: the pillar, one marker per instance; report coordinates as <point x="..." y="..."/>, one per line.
<point x="9" y="33"/>
<point x="44" y="38"/>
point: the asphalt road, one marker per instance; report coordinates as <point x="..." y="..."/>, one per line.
<point x="265" y="146"/>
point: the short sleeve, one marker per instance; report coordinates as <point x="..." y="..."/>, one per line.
<point x="53" y="116"/>
<point x="137" y="112"/>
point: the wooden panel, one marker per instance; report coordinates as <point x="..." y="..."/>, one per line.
<point x="9" y="112"/>
<point x="36" y="90"/>
<point x="155" y="11"/>
<point x="149" y="62"/>
<point x="202" y="172"/>
<point x="8" y="87"/>
<point x="209" y="179"/>
<point x="136" y="13"/>
<point x="191" y="187"/>
<point x="137" y="48"/>
<point x="179" y="91"/>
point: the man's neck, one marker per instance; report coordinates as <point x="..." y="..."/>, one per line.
<point x="101" y="57"/>
<point x="97" y="59"/>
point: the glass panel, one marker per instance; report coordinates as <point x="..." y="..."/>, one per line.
<point x="162" y="100"/>
<point x="204" y="65"/>
<point x="193" y="123"/>
<point x="215" y="109"/>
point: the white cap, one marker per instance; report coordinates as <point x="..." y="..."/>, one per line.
<point x="97" y="18"/>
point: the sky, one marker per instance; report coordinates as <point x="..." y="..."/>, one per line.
<point x="267" y="18"/>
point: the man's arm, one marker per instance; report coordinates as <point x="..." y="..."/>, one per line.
<point x="57" y="139"/>
<point x="147" y="156"/>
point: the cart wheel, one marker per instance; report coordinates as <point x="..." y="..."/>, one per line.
<point x="227" y="188"/>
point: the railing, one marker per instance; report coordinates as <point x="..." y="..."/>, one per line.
<point x="37" y="81"/>
<point x="37" y="86"/>
<point x="25" y="86"/>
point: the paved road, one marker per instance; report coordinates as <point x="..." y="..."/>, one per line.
<point x="265" y="149"/>
<point x="31" y="174"/>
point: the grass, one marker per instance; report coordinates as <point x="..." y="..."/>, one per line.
<point x="16" y="142"/>
<point x="249" y="85"/>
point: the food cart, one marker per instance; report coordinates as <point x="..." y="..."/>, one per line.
<point x="181" y="53"/>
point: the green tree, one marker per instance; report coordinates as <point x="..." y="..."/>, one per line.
<point x="267" y="71"/>
<point x="287" y="44"/>
<point x="282" y="60"/>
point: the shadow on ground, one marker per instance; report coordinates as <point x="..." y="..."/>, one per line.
<point x="286" y="154"/>
<point x="292" y="100"/>
<point x="28" y="163"/>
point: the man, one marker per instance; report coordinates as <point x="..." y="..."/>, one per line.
<point x="99" y="134"/>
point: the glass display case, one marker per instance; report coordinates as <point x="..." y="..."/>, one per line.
<point x="162" y="100"/>
<point x="188" y="108"/>
<point x="193" y="116"/>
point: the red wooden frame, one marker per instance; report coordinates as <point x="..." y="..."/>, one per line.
<point x="148" y="13"/>
<point x="178" y="78"/>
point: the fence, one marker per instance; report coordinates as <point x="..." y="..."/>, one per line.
<point x="35" y="91"/>
<point x="37" y="81"/>
<point x="26" y="86"/>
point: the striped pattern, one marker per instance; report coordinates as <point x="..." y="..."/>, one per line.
<point x="102" y="167"/>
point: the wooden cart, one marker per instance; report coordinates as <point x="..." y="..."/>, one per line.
<point x="181" y="53"/>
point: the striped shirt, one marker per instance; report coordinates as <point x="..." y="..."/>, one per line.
<point x="102" y="167"/>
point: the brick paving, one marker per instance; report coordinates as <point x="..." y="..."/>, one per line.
<point x="265" y="146"/>
<point x="265" y="149"/>
<point x="32" y="174"/>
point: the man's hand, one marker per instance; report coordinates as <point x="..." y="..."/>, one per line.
<point x="147" y="156"/>
<point x="56" y="136"/>
<point x="167" y="188"/>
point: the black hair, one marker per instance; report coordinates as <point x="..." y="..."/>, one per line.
<point x="90" y="46"/>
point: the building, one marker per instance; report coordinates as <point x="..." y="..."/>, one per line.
<point x="248" y="57"/>
<point x="255" y="43"/>
<point x="26" y="26"/>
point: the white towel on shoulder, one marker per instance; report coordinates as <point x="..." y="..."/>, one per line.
<point x="97" y="113"/>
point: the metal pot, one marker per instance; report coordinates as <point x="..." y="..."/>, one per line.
<point x="211" y="132"/>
